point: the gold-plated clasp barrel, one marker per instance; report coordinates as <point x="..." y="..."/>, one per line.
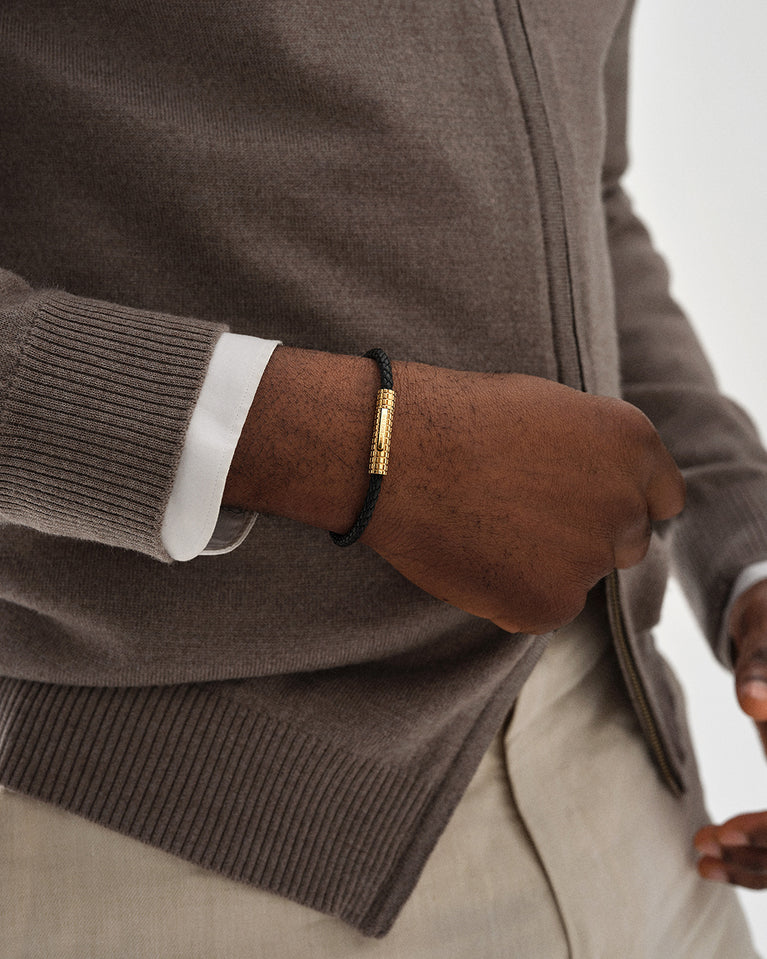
<point x="379" y="449"/>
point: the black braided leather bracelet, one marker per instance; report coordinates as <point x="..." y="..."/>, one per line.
<point x="379" y="448"/>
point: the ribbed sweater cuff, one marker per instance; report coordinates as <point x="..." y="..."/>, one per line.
<point x="95" y="416"/>
<point x="714" y="557"/>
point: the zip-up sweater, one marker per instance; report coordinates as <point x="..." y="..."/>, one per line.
<point x="439" y="179"/>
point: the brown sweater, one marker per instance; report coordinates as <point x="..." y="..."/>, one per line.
<point x="439" y="179"/>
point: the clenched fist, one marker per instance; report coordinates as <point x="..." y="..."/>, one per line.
<point x="510" y="496"/>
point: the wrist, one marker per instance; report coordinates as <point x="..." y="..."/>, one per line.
<point x="303" y="453"/>
<point x="379" y="448"/>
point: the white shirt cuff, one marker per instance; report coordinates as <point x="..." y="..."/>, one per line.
<point x="194" y="521"/>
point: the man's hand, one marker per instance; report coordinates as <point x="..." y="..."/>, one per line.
<point x="736" y="851"/>
<point x="508" y="496"/>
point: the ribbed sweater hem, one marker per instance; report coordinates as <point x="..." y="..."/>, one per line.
<point x="240" y="792"/>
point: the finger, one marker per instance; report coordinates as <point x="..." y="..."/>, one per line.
<point x="633" y="545"/>
<point x="706" y="842"/>
<point x="751" y="673"/>
<point x="761" y="728"/>
<point x="747" y="829"/>
<point x="718" y="870"/>
<point x="735" y="852"/>
<point x="666" y="490"/>
<point x="748" y="629"/>
<point x="745" y="858"/>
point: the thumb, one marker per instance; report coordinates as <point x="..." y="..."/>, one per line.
<point x="751" y="676"/>
<point x="748" y="628"/>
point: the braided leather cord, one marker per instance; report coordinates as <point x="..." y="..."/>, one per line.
<point x="374" y="488"/>
<point x="384" y="365"/>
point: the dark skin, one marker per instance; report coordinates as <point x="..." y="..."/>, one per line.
<point x="736" y="850"/>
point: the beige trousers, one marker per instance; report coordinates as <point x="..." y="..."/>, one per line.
<point x="565" y="845"/>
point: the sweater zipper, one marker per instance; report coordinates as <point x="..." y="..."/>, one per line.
<point x="549" y="190"/>
<point x="561" y="300"/>
<point x="637" y="690"/>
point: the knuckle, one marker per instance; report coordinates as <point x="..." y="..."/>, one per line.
<point x="636" y="426"/>
<point x="628" y="520"/>
<point x="644" y="450"/>
<point x="635" y="543"/>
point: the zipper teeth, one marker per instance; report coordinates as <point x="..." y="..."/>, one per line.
<point x="647" y="719"/>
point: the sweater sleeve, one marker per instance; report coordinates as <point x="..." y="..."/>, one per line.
<point x="666" y="374"/>
<point x="95" y="399"/>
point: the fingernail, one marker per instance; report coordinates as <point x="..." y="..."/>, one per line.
<point x="754" y="689"/>
<point x="716" y="874"/>
<point x="733" y="837"/>
<point x="709" y="847"/>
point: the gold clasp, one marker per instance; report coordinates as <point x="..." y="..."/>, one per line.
<point x="379" y="449"/>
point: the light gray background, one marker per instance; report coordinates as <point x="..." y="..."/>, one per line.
<point x="699" y="142"/>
